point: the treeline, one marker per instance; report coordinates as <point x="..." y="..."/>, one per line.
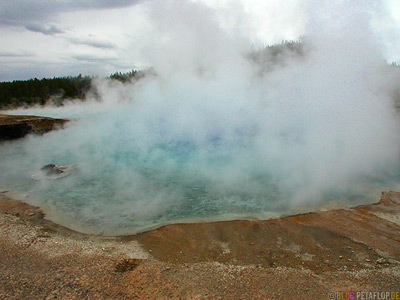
<point x="273" y="56"/>
<point x="34" y="91"/>
<point x="40" y="91"/>
<point x="129" y="76"/>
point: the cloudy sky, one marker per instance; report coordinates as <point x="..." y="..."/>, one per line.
<point x="98" y="37"/>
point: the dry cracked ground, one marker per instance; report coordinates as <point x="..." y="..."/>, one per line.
<point x="305" y="256"/>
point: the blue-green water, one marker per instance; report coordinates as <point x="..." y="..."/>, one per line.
<point x="131" y="189"/>
<point x="128" y="180"/>
<point x="127" y="188"/>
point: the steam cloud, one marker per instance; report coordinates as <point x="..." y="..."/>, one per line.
<point x="214" y="131"/>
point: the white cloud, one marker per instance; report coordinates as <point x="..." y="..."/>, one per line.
<point x="57" y="31"/>
<point x="93" y="43"/>
<point x="20" y="13"/>
<point x="46" y="30"/>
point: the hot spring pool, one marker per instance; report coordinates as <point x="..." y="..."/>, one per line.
<point x="124" y="184"/>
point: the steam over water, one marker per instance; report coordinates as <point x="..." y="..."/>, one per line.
<point x="217" y="132"/>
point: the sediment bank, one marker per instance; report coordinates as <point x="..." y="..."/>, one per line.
<point x="305" y="256"/>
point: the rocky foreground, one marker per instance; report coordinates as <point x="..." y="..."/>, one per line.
<point x="15" y="127"/>
<point x="307" y="256"/>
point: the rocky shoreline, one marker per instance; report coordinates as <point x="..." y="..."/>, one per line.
<point x="306" y="256"/>
<point x="15" y="127"/>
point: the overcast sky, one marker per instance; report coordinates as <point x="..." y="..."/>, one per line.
<point x="97" y="37"/>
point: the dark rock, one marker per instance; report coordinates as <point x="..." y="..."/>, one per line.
<point x="15" y="127"/>
<point x="51" y="169"/>
<point x="127" y="265"/>
<point x="14" y="131"/>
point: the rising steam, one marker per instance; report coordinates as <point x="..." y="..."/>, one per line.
<point x="220" y="128"/>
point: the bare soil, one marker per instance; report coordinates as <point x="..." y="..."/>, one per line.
<point x="307" y="256"/>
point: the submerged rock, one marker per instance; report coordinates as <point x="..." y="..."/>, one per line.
<point x="52" y="171"/>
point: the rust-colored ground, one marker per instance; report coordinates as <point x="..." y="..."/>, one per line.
<point x="305" y="256"/>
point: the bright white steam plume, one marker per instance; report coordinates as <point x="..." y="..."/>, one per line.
<point x="216" y="132"/>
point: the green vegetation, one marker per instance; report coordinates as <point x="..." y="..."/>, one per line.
<point x="21" y="93"/>
<point x="34" y="91"/>
<point x="270" y="57"/>
<point x="127" y="77"/>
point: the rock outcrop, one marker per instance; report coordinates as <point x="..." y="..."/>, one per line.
<point x="15" y="127"/>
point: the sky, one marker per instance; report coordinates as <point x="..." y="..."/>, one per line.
<point x="68" y="37"/>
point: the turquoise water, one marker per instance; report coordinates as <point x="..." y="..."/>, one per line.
<point x="129" y="189"/>
<point x="125" y="182"/>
